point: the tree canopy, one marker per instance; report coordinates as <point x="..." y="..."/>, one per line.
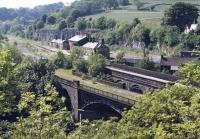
<point x="181" y="15"/>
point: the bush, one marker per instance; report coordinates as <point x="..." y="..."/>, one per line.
<point x="147" y="64"/>
<point x="96" y="64"/>
<point x="61" y="61"/>
<point x="80" y="65"/>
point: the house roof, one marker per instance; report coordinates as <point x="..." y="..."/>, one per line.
<point x="77" y="38"/>
<point x="177" y="61"/>
<point x="58" y="41"/>
<point x="91" y="45"/>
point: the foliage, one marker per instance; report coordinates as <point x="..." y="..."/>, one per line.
<point x="47" y="118"/>
<point x="61" y="61"/>
<point x="147" y="64"/>
<point x="51" y="20"/>
<point x="62" y="24"/>
<point x="81" y="24"/>
<point x="190" y="41"/>
<point x="190" y="70"/>
<point x="40" y="25"/>
<point x="136" y="21"/>
<point x="27" y="13"/>
<point x="96" y="64"/>
<point x="7" y="98"/>
<point x="168" y="113"/>
<point x="30" y="106"/>
<point x="76" y="53"/>
<point x="80" y="65"/>
<point x="34" y="75"/>
<point x="123" y="2"/>
<point x="142" y="34"/>
<point x="120" y="55"/>
<point x="110" y="4"/>
<point x="101" y="23"/>
<point x="138" y="4"/>
<point x="165" y="35"/>
<point x="180" y="15"/>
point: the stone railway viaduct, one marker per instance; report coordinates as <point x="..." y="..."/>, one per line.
<point x="90" y="103"/>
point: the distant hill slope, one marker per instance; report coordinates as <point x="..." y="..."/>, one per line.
<point x="150" y="11"/>
<point x="27" y="13"/>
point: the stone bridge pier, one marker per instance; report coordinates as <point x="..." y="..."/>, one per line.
<point x="92" y="104"/>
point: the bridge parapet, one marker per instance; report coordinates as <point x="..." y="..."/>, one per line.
<point x="109" y="95"/>
<point x="90" y="103"/>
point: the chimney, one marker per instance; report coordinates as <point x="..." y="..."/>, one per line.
<point x="93" y="39"/>
<point x="162" y="57"/>
<point x="102" y="41"/>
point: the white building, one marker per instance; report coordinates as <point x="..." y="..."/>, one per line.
<point x="193" y="27"/>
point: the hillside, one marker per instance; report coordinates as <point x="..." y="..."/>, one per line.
<point x="149" y="11"/>
<point x="27" y="13"/>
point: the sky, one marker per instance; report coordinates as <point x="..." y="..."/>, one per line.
<point x="29" y="3"/>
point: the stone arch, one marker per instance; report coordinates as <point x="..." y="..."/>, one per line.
<point x="68" y="100"/>
<point x="136" y="88"/>
<point x="102" y="110"/>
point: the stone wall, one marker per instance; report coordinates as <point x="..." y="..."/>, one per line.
<point x="50" y="34"/>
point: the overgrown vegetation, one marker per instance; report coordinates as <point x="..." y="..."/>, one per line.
<point x="32" y="108"/>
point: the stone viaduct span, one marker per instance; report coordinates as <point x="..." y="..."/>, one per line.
<point x="91" y="103"/>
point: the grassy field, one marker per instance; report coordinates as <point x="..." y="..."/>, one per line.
<point x="67" y="74"/>
<point x="128" y="13"/>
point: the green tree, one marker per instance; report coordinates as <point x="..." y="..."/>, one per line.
<point x="40" y="25"/>
<point x="123" y="2"/>
<point x="48" y="117"/>
<point x="61" y="61"/>
<point x="142" y="34"/>
<point x="51" y="20"/>
<point x="147" y="64"/>
<point x="101" y="23"/>
<point x="76" y="53"/>
<point x="80" y="65"/>
<point x="135" y="22"/>
<point x="165" y="36"/>
<point x="120" y="55"/>
<point x="44" y="18"/>
<point x="190" y="70"/>
<point x="62" y="24"/>
<point x="96" y="64"/>
<point x="138" y="4"/>
<point x="81" y="24"/>
<point x="190" y="41"/>
<point x="110" y="4"/>
<point x="33" y="75"/>
<point x="8" y="92"/>
<point x="110" y="23"/>
<point x="181" y="15"/>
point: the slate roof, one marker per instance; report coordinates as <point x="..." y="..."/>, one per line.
<point x="177" y="61"/>
<point x="59" y="41"/>
<point x="77" y="38"/>
<point x="91" y="45"/>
